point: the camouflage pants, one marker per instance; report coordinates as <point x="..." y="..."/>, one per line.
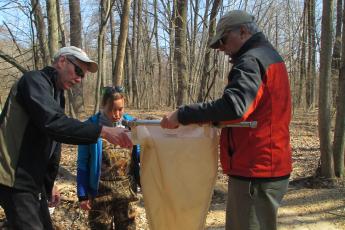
<point x="114" y="208"/>
<point x="112" y="215"/>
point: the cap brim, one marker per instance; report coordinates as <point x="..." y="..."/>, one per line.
<point x="92" y="66"/>
<point x="214" y="44"/>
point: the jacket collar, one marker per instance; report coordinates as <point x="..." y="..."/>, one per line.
<point x="52" y="74"/>
<point x="254" y="41"/>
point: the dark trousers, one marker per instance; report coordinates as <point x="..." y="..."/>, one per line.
<point x="25" y="210"/>
<point x="253" y="205"/>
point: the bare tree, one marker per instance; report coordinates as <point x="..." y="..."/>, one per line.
<point x="158" y="52"/>
<point x="206" y="74"/>
<point x="120" y="55"/>
<point x="41" y="31"/>
<point x="112" y="40"/>
<point x="53" y="35"/>
<point x="75" y="95"/>
<point x="61" y="23"/>
<point x="302" y="61"/>
<point x="339" y="132"/>
<point x="336" y="52"/>
<point x="105" y="8"/>
<point x="311" y="66"/>
<point x="181" y="51"/>
<point x="136" y="36"/>
<point x="75" y="23"/>
<point x="327" y="167"/>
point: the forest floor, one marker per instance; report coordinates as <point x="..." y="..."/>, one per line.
<point x="310" y="204"/>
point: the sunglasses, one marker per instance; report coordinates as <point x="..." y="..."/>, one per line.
<point x="224" y="37"/>
<point x="112" y="89"/>
<point x="78" y="71"/>
<point x="222" y="40"/>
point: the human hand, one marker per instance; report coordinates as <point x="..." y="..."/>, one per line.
<point x="117" y="136"/>
<point x="85" y="205"/>
<point x="170" y="121"/>
<point x="55" y="198"/>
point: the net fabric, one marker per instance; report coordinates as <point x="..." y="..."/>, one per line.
<point x="178" y="172"/>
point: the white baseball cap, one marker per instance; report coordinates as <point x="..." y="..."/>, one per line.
<point x="79" y="54"/>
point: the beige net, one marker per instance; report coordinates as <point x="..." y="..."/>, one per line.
<point x="178" y="172"/>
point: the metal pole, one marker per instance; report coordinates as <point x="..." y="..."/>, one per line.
<point x="247" y="124"/>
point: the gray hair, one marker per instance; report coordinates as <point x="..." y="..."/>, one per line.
<point x="56" y="58"/>
<point x="252" y="27"/>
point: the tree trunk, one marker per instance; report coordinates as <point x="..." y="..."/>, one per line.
<point x="172" y="23"/>
<point x="336" y="53"/>
<point x="75" y="23"/>
<point x="158" y="53"/>
<point x="135" y="52"/>
<point x="61" y="23"/>
<point x="53" y="34"/>
<point x="206" y="74"/>
<point x="327" y="168"/>
<point x="121" y="47"/>
<point x="311" y="66"/>
<point x="105" y="8"/>
<point x="112" y="41"/>
<point x="75" y="94"/>
<point x="41" y="32"/>
<point x="181" y="52"/>
<point x="339" y="132"/>
<point x="302" y="74"/>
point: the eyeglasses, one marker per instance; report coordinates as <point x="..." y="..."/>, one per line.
<point x="112" y="89"/>
<point x="224" y="37"/>
<point x="78" y="71"/>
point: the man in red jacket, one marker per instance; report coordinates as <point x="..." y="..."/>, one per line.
<point x="258" y="161"/>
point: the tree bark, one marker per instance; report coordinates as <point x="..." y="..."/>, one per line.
<point x="41" y="32"/>
<point x="105" y="8"/>
<point x="339" y="132"/>
<point x="158" y="53"/>
<point x="311" y="66"/>
<point x="121" y="48"/>
<point x="336" y="53"/>
<point x="181" y="51"/>
<point x="206" y="73"/>
<point x="53" y="35"/>
<point x="327" y="167"/>
<point x="75" y="94"/>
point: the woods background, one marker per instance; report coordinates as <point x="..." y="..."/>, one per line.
<point x="158" y="50"/>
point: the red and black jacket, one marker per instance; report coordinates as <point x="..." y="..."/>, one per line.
<point x="258" y="90"/>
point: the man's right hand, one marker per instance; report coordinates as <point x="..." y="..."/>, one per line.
<point x="85" y="205"/>
<point x="117" y="136"/>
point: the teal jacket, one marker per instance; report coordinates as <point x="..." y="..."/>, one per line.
<point x="89" y="163"/>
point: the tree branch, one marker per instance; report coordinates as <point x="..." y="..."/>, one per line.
<point x="13" y="62"/>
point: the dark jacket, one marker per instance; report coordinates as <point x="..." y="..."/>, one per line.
<point x="31" y="124"/>
<point x="258" y="90"/>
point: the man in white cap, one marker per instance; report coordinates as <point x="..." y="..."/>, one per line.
<point x="32" y="126"/>
<point x="258" y="161"/>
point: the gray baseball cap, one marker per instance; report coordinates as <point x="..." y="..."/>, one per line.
<point x="227" y="21"/>
<point x="79" y="54"/>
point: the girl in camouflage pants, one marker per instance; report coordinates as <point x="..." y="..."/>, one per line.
<point x="107" y="175"/>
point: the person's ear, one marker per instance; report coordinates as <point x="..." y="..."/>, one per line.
<point x="61" y="62"/>
<point x="243" y="32"/>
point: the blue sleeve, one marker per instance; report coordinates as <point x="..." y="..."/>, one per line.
<point x="83" y="171"/>
<point x="127" y="117"/>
